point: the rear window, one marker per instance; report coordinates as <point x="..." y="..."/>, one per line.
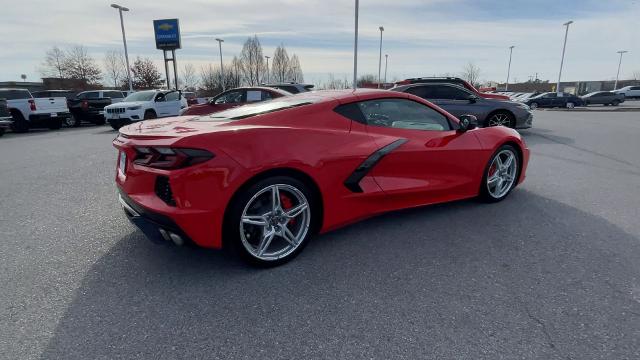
<point x="15" y="94"/>
<point x="250" y="110"/>
<point x="113" y="94"/>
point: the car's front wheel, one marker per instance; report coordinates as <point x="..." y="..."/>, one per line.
<point x="570" y="105"/>
<point x="533" y="106"/>
<point x="271" y="221"/>
<point x="501" y="118"/>
<point x="501" y="174"/>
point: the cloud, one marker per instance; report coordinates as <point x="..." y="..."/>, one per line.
<point x="421" y="37"/>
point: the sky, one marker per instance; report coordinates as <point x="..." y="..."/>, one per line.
<point x="422" y="37"/>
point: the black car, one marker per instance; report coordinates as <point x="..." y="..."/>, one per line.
<point x="552" y="100"/>
<point x="5" y="117"/>
<point x="603" y="98"/>
<point x="89" y="106"/>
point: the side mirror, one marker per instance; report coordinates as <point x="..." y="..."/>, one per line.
<point x="472" y="99"/>
<point x="467" y="122"/>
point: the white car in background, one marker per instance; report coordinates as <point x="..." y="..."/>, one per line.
<point x="629" y="91"/>
<point x="29" y="112"/>
<point x="144" y="105"/>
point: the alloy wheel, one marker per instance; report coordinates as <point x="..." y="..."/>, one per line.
<point x="71" y="121"/>
<point x="502" y="173"/>
<point x="275" y="222"/>
<point x="570" y="105"/>
<point x="500" y="119"/>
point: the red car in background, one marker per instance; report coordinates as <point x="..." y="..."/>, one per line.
<point x="263" y="178"/>
<point x="455" y="81"/>
<point x="235" y="97"/>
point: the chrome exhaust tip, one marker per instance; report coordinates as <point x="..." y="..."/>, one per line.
<point x="164" y="234"/>
<point x="176" y="239"/>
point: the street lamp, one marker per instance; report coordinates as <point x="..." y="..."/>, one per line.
<point x="563" y="49"/>
<point x="355" y="49"/>
<point x="380" y="57"/>
<point x="220" y="41"/>
<point x="615" y="86"/>
<point x="267" y="67"/>
<point x="506" y="86"/>
<point x="386" y="62"/>
<point x="124" y="40"/>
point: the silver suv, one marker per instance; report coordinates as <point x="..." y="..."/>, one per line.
<point x="458" y="101"/>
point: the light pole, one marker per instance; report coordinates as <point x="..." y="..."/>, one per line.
<point x="615" y="86"/>
<point x="267" y="67"/>
<point x="563" y="49"/>
<point x="220" y="41"/>
<point x="124" y="40"/>
<point x="380" y="57"/>
<point x="386" y="62"/>
<point x="355" y="51"/>
<point x="506" y="86"/>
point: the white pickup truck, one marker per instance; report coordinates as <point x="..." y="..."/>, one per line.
<point x="29" y="112"/>
<point x="144" y="105"/>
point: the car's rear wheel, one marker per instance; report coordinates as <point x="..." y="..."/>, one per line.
<point x="615" y="102"/>
<point x="501" y="174"/>
<point x="501" y="118"/>
<point x="271" y="221"/>
<point x="72" y="121"/>
<point x="534" y="105"/>
<point x="570" y="105"/>
<point x="19" y="125"/>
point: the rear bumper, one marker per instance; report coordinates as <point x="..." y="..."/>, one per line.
<point x="156" y="227"/>
<point x="49" y="116"/>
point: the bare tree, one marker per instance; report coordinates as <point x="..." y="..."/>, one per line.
<point x="471" y="73"/>
<point x="333" y="83"/>
<point x="236" y="73"/>
<point x="80" y="65"/>
<point x="367" y="79"/>
<point x="252" y="61"/>
<point x="189" y="77"/>
<point x="114" y="66"/>
<point x="281" y="64"/>
<point x="54" y="64"/>
<point x="295" y="71"/>
<point x="145" y="74"/>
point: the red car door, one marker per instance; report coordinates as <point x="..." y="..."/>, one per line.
<point x="430" y="161"/>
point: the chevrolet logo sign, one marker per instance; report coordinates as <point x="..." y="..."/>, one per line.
<point x="165" y="26"/>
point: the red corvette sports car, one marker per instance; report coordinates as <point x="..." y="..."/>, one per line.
<point x="263" y="178"/>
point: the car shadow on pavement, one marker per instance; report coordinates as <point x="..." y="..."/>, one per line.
<point x="525" y="278"/>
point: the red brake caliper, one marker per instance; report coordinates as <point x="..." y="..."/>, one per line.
<point x="286" y="205"/>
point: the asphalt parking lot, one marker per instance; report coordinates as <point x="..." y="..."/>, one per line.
<point x="553" y="272"/>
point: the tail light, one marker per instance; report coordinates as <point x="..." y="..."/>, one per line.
<point x="85" y="104"/>
<point x="32" y="105"/>
<point x="170" y="158"/>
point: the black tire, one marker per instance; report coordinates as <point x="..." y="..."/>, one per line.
<point x="232" y="237"/>
<point x="504" y="116"/>
<point x="534" y="105"/>
<point x="485" y="193"/>
<point x="1" y="132"/>
<point x="615" y="102"/>
<point x="150" y="114"/>
<point x="19" y="125"/>
<point x="605" y="104"/>
<point x="55" y="123"/>
<point x="72" y="121"/>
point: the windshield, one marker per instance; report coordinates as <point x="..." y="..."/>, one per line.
<point x="141" y="96"/>
<point x="246" y="111"/>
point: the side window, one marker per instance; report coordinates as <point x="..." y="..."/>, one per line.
<point x="92" y="95"/>
<point x="403" y="114"/>
<point x="160" y="98"/>
<point x="451" y="93"/>
<point x="265" y="95"/>
<point x="231" y="97"/>
<point x="113" y="94"/>
<point x="550" y="96"/>
<point x="172" y="96"/>
<point x="425" y="92"/>
<point x="635" y="88"/>
<point x="254" y="95"/>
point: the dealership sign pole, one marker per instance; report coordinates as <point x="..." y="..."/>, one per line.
<point x="167" y="34"/>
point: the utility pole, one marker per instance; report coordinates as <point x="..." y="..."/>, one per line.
<point x="566" y="33"/>
<point x="506" y="86"/>
<point x="220" y="41"/>
<point x="355" y="50"/>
